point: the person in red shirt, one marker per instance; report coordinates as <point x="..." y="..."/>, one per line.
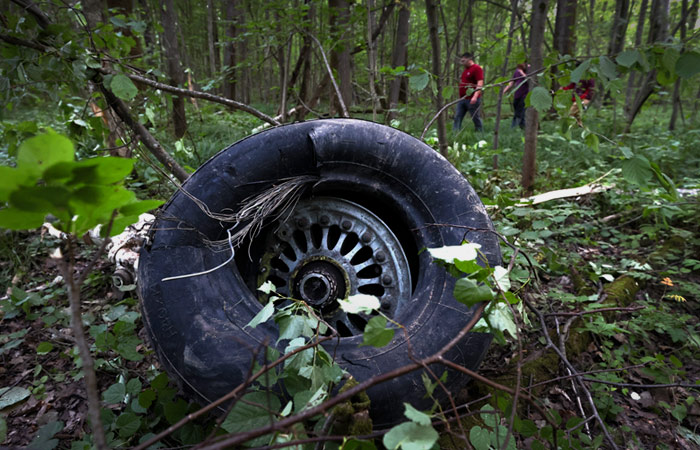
<point x="470" y="85"/>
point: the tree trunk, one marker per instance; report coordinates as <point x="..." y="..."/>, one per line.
<point x="340" y="53"/>
<point x="658" y="32"/>
<point x="399" y="56"/>
<point x="372" y="58"/>
<point x="212" y="39"/>
<point x="632" y="80"/>
<point x="565" y="28"/>
<point x="619" y="28"/>
<point x="230" y="31"/>
<point x="504" y="68"/>
<point x="676" y="99"/>
<point x="537" y="24"/>
<point x="431" y="13"/>
<point x="174" y="70"/>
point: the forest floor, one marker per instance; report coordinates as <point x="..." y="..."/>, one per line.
<point x="651" y="340"/>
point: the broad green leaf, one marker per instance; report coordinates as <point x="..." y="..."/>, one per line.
<point x="580" y="71"/>
<point x="3" y="429"/>
<point x="133" y="387"/>
<point x="540" y="99"/>
<point x="37" y="154"/>
<point x="450" y="253"/>
<point x="11" y="179"/>
<point x="128" y="424"/>
<point x="416" y="416"/>
<point x="669" y="59"/>
<point x="101" y="171"/>
<point x="470" y="293"/>
<point x="12" y="395"/>
<point x="175" y="410"/>
<point x="123" y="87"/>
<point x="607" y="68"/>
<point x="500" y="318"/>
<point x="146" y="398"/>
<point x="637" y="170"/>
<point x="251" y="412"/>
<point x="355" y="444"/>
<point x="410" y="436"/>
<point x="480" y="438"/>
<point x="114" y="394"/>
<point x="44" y="348"/>
<point x="418" y="82"/>
<point x="376" y="333"/>
<point x="15" y="219"/>
<point x="592" y="141"/>
<point x="44" y="439"/>
<point x="267" y="287"/>
<point x="688" y="65"/>
<point x="360" y="303"/>
<point x="264" y="314"/>
<point x="627" y="58"/>
<point x="502" y="278"/>
<point x="40" y="199"/>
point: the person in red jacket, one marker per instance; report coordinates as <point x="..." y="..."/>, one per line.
<point x="584" y="91"/>
<point x="470" y="85"/>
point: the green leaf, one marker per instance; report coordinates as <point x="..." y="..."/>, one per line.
<point x="133" y="387"/>
<point x="355" y="444"/>
<point x="37" y="154"/>
<point x="101" y="171"/>
<point x="540" y="99"/>
<point x="44" y="348"/>
<point x="146" y="398"/>
<point x="264" y="314"/>
<point x="376" y="333"/>
<point x="418" y="82"/>
<point x="580" y="71"/>
<point x="627" y="58"/>
<point x="452" y="253"/>
<point x="114" y="394"/>
<point x="637" y="170"/>
<point x="12" y="395"/>
<point x="607" y="68"/>
<point x="15" y="219"/>
<point x="688" y="65"/>
<point x="592" y="141"/>
<point x="251" y="412"/>
<point x="128" y="424"/>
<point x="12" y="179"/>
<point x="40" y="199"/>
<point x="410" y="436"/>
<point x="470" y="293"/>
<point x="501" y="278"/>
<point x="360" y="303"/>
<point x="123" y="87"/>
<point x="175" y="410"/>
<point x="500" y="318"/>
<point x="416" y="416"/>
<point x="44" y="437"/>
<point x="480" y="438"/>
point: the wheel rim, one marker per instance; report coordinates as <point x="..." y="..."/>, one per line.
<point x="330" y="248"/>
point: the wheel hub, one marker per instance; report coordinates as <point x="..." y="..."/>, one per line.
<point x="329" y="249"/>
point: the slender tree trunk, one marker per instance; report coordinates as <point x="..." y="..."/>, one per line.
<point x="306" y="75"/>
<point x="565" y="27"/>
<point x="619" y="28"/>
<point x="212" y="39"/>
<point x="230" y="80"/>
<point x="676" y="99"/>
<point x="658" y="32"/>
<point x="399" y="55"/>
<point x="537" y="24"/>
<point x="174" y="69"/>
<point x="372" y="58"/>
<point x="504" y="68"/>
<point x="340" y="53"/>
<point x="431" y="13"/>
<point x="632" y="80"/>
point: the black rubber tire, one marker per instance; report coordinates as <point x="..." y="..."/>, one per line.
<point x="196" y="324"/>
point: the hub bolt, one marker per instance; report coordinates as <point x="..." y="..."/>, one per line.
<point x="380" y="256"/>
<point x="366" y="237"/>
<point x="346" y="225"/>
<point x="386" y="280"/>
<point x="302" y="222"/>
<point x="325" y="220"/>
